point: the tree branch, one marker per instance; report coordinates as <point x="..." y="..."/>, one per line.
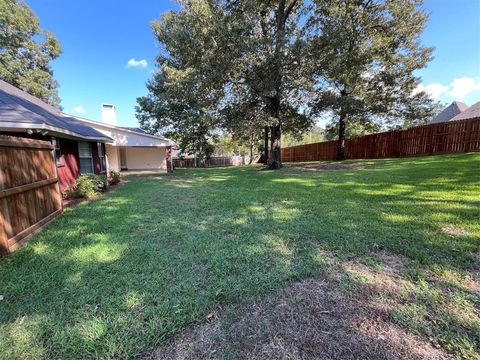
<point x="289" y="9"/>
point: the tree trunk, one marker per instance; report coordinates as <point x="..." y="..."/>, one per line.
<point x="265" y="151"/>
<point x="341" y="137"/>
<point x="275" y="161"/>
<point x="251" y="150"/>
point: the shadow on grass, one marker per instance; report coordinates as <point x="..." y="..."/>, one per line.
<point x="120" y="274"/>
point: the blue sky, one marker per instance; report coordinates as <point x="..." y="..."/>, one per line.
<point x="100" y="38"/>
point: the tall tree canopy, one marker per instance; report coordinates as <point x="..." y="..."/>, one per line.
<point x="235" y="57"/>
<point x="366" y="52"/>
<point x="26" y="51"/>
<point x="184" y="92"/>
<point x="268" y="60"/>
<point x="254" y="66"/>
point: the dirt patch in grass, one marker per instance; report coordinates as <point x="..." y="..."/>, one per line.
<point x="337" y="317"/>
<point x="454" y="230"/>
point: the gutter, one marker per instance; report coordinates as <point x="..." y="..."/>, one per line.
<point x="118" y="128"/>
<point x="25" y="126"/>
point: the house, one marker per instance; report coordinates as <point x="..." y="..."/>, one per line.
<point x="82" y="146"/>
<point x="457" y="111"/>
<point x="472" y="112"/>
<point x="447" y="114"/>
<point x="130" y="148"/>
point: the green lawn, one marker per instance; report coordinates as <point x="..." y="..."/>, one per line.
<point x="116" y="276"/>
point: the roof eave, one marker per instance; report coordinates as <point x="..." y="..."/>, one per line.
<point x="42" y="126"/>
<point x="121" y="129"/>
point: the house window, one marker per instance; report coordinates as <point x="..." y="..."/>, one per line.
<point x="101" y="156"/>
<point x="85" y="155"/>
<point x="58" y="151"/>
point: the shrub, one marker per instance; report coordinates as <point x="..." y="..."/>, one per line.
<point x="99" y="182"/>
<point x="89" y="185"/>
<point x="113" y="177"/>
<point x="84" y="187"/>
<point x="68" y="192"/>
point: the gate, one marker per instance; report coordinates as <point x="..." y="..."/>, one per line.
<point x="29" y="192"/>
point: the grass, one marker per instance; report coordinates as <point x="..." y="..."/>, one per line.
<point x="118" y="275"/>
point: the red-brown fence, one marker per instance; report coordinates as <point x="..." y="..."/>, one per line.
<point x="449" y="137"/>
<point x="29" y="192"/>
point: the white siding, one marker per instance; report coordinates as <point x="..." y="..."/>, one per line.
<point x="122" y="137"/>
<point x="146" y="158"/>
<point x="113" y="157"/>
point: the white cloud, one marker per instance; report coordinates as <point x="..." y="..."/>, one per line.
<point x="463" y="86"/>
<point x="79" y="109"/>
<point x="434" y="90"/>
<point x="137" y="63"/>
<point x="458" y="89"/>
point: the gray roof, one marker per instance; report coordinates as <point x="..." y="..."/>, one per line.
<point x="472" y="112"/>
<point x="136" y="129"/>
<point x="19" y="109"/>
<point x="447" y="114"/>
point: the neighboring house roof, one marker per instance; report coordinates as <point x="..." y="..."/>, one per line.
<point x="472" y="112"/>
<point x="136" y="129"/>
<point x="128" y="136"/>
<point x="447" y="114"/>
<point x="20" y="110"/>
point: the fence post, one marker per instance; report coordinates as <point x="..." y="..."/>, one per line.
<point x="5" y="225"/>
<point x="468" y="134"/>
<point x="430" y="140"/>
<point x="434" y="138"/>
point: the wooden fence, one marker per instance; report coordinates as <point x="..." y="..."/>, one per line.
<point x="29" y="192"/>
<point x="212" y="162"/>
<point x="441" y="138"/>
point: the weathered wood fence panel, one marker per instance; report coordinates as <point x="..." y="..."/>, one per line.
<point x="449" y="137"/>
<point x="212" y="162"/>
<point x="29" y="192"/>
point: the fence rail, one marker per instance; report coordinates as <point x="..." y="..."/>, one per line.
<point x="441" y="138"/>
<point x="212" y="162"/>
<point x="29" y="192"/>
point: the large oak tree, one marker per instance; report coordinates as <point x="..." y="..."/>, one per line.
<point x="230" y="57"/>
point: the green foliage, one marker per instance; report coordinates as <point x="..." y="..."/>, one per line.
<point x="84" y="187"/>
<point x="354" y="129"/>
<point x="230" y="65"/>
<point x="313" y="135"/>
<point x="89" y="185"/>
<point x="366" y="54"/>
<point x="184" y="92"/>
<point x="26" y="51"/>
<point x="113" y="177"/>
<point x="226" y="145"/>
<point x="99" y="182"/>
<point x="241" y="66"/>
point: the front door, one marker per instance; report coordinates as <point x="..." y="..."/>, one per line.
<point x="123" y="159"/>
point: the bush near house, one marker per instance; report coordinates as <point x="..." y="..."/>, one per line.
<point x="87" y="186"/>
<point x="113" y="177"/>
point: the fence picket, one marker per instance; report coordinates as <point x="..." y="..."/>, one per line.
<point x="29" y="192"/>
<point x="458" y="136"/>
